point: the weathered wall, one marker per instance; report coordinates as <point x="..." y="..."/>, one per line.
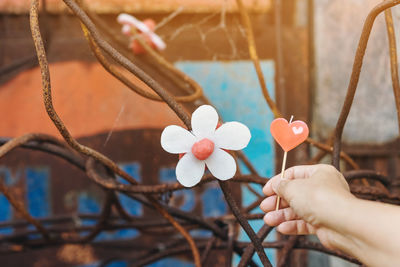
<point x="338" y="27"/>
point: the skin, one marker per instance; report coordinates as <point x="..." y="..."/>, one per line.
<point x="316" y="200"/>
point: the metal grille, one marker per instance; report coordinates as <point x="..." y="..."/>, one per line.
<point x="103" y="171"/>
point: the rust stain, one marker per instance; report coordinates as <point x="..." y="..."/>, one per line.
<point x="76" y="254"/>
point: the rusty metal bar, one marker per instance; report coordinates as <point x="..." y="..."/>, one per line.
<point x="355" y="75"/>
<point x="103" y="174"/>
<point x="393" y="61"/>
<point x="243" y="222"/>
<point x="19" y="206"/>
<point x="249" y="251"/>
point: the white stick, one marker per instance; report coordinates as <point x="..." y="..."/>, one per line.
<point x="283" y="170"/>
<point x="282" y="175"/>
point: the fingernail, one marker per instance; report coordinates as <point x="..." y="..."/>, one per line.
<point x="261" y="204"/>
<point x="267" y="183"/>
<point x="265" y="186"/>
<point x="265" y="217"/>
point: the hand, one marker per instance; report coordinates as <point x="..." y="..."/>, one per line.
<point x="308" y="195"/>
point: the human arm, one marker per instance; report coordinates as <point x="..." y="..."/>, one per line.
<point x="316" y="200"/>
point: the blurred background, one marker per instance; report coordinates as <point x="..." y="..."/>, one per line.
<point x="306" y="51"/>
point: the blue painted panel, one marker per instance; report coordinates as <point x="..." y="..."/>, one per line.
<point x="38" y="191"/>
<point x="88" y="203"/>
<point x="132" y="206"/>
<point x="5" y="209"/>
<point x="5" y="206"/>
<point x="118" y="234"/>
<point x="171" y="262"/>
<point x="11" y="177"/>
<point x="125" y="234"/>
<point x="167" y="175"/>
<point x="200" y="233"/>
<point x="234" y="90"/>
<point x="213" y="202"/>
<point x="94" y="264"/>
<point x="118" y="264"/>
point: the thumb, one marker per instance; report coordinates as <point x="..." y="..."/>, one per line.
<point x="282" y="188"/>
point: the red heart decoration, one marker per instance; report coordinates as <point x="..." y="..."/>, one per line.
<point x="289" y="135"/>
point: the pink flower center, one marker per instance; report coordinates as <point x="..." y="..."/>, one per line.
<point x="203" y="149"/>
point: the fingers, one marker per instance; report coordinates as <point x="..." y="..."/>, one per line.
<point x="269" y="204"/>
<point x="296" y="227"/>
<point x="267" y="189"/>
<point x="296" y="172"/>
<point x="270" y="187"/>
<point x="300" y="172"/>
<point x="275" y="218"/>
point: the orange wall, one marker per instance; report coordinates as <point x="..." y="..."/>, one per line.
<point x="86" y="97"/>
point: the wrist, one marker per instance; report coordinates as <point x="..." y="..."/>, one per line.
<point x="336" y="213"/>
<point x="333" y="208"/>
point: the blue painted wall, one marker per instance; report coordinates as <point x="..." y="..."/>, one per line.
<point x="38" y="191"/>
<point x="6" y="211"/>
<point x="233" y="89"/>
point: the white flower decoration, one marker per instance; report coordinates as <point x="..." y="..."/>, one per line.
<point x="205" y="145"/>
<point x="129" y="21"/>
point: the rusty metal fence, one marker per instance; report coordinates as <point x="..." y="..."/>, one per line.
<point x="103" y="171"/>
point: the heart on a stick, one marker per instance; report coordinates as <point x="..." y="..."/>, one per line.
<point x="288" y="135"/>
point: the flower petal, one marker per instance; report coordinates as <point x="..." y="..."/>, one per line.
<point x="175" y="139"/>
<point x="232" y="135"/>
<point x="204" y="121"/>
<point x="221" y="164"/>
<point x="189" y="170"/>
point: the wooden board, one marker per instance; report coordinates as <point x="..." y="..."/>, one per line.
<point x="146" y="6"/>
